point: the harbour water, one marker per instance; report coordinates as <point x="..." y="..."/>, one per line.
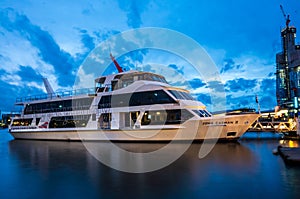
<point x="50" y="169"/>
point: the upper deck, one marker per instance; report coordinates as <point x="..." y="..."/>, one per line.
<point x="122" y="80"/>
<point x="102" y="84"/>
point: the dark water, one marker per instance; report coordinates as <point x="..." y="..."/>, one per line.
<point x="49" y="169"/>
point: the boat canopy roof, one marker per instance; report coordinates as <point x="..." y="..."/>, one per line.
<point x="132" y="76"/>
<point x="122" y="80"/>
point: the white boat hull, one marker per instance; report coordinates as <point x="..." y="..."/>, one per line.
<point x="224" y="128"/>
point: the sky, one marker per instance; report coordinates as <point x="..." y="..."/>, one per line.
<point x="53" y="39"/>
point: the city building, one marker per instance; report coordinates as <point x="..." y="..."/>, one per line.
<point x="288" y="71"/>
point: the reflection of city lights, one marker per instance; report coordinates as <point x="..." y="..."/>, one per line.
<point x="281" y="142"/>
<point x="289" y="143"/>
<point x="293" y="143"/>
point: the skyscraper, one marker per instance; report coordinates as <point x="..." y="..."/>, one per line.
<point x="288" y="71"/>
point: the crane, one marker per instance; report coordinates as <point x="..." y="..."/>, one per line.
<point x="286" y="17"/>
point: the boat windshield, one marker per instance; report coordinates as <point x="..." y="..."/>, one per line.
<point x="141" y="76"/>
<point x="181" y="95"/>
<point x="123" y="80"/>
<point x="202" y="113"/>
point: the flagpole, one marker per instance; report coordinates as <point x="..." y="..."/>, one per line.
<point x="258" y="106"/>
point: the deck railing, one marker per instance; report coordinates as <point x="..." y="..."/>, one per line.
<point x="61" y="94"/>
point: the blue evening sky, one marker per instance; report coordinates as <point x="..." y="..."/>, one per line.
<point x="52" y="39"/>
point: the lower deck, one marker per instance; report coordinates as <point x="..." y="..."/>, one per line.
<point x="229" y="127"/>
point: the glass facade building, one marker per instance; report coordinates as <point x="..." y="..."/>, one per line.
<point x="288" y="72"/>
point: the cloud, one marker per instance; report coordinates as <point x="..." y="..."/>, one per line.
<point x="204" y="98"/>
<point x="196" y="83"/>
<point x="177" y="68"/>
<point x="28" y="74"/>
<point x="230" y="65"/>
<point x="241" y="93"/>
<point x="148" y="68"/>
<point x="268" y="85"/>
<point x="132" y="60"/>
<point x="245" y="101"/>
<point x="87" y="40"/>
<point x="271" y="74"/>
<point x="216" y="86"/>
<point x="49" y="51"/>
<point x="10" y="91"/>
<point x="240" y="84"/>
<point x="134" y="8"/>
<point x="267" y="94"/>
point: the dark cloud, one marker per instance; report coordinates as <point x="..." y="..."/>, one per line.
<point x="271" y="74"/>
<point x="121" y="48"/>
<point x="268" y="85"/>
<point x="196" y="83"/>
<point x="229" y="64"/>
<point x="176" y="68"/>
<point x="204" y="98"/>
<point x="49" y="51"/>
<point x="182" y="81"/>
<point x="87" y="40"/>
<point x="245" y="101"/>
<point x="240" y="84"/>
<point x="27" y="74"/>
<point x="266" y="94"/>
<point x="133" y="8"/>
<point x="267" y="102"/>
<point x="128" y="60"/>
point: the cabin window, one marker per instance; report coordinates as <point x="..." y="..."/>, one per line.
<point x="181" y="95"/>
<point x="105" y="102"/>
<point x="22" y="122"/>
<point x="202" y="113"/>
<point x="69" y="121"/>
<point x="58" y="106"/>
<point x="104" y="121"/>
<point x="37" y="121"/>
<point x="135" y="99"/>
<point x="130" y="118"/>
<point x="161" y="117"/>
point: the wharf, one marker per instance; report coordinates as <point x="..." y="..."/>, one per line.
<point x="290" y="155"/>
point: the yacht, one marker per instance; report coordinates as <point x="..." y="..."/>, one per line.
<point x="127" y="106"/>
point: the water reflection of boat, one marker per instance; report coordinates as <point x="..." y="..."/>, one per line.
<point x="69" y="169"/>
<point x="47" y="155"/>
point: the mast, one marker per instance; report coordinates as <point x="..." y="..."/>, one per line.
<point x="120" y="70"/>
<point x="47" y="86"/>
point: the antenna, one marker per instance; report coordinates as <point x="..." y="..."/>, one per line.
<point x="48" y="87"/>
<point x="286" y="17"/>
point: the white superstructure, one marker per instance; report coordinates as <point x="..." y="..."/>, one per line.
<point x="128" y="106"/>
